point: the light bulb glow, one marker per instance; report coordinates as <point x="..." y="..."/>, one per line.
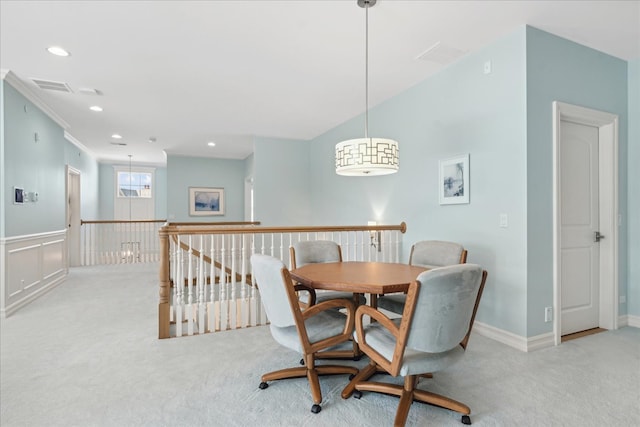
<point x="58" y="51"/>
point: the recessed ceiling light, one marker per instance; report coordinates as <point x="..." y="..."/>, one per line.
<point x="58" y="51"/>
<point x="116" y="136"/>
<point x="211" y="144"/>
<point x="95" y="108"/>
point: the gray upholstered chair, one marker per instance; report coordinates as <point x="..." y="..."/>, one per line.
<point x="318" y="251"/>
<point x="429" y="254"/>
<point x="432" y="334"/>
<point x="308" y="332"/>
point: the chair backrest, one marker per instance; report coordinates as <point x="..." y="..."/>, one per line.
<point x="437" y="253"/>
<point x="272" y="279"/>
<point x="445" y="307"/>
<point x="314" y="251"/>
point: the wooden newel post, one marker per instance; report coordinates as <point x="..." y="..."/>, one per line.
<point x="163" y="306"/>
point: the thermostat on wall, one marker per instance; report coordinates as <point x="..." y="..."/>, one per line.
<point x="18" y="195"/>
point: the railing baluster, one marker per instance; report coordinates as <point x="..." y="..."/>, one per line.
<point x="223" y="286"/>
<point x="178" y="286"/>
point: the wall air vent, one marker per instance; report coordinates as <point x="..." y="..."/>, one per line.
<point x="51" y="85"/>
<point x="441" y="54"/>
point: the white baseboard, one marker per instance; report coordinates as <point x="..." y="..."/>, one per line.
<point x="8" y="311"/>
<point x="512" y="340"/>
<point x="629" y="320"/>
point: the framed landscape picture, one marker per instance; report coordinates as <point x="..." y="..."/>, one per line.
<point x="454" y="180"/>
<point x="206" y="201"/>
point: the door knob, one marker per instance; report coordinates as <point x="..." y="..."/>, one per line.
<point x="597" y="236"/>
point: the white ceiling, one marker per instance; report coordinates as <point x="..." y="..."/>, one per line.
<point x="191" y="72"/>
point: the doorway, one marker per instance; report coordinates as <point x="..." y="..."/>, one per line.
<point x="585" y="219"/>
<point x="73" y="217"/>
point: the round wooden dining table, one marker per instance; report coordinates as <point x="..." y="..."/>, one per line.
<point x="375" y="278"/>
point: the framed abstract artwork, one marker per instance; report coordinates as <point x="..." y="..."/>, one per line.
<point x="454" y="180"/>
<point x="205" y="201"/>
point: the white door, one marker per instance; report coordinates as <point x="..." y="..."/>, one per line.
<point x="579" y="219"/>
<point x="73" y="216"/>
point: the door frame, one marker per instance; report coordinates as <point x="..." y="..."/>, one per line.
<point x="73" y="261"/>
<point x="607" y="125"/>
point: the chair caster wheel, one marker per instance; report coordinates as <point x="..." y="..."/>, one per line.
<point x="316" y="408"/>
<point x="302" y="362"/>
<point x="466" y="419"/>
<point x="357" y="394"/>
<point x="263" y="385"/>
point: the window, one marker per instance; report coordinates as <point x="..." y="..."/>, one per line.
<point x="134" y="184"/>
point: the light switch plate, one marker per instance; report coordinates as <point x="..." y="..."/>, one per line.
<point x="504" y="220"/>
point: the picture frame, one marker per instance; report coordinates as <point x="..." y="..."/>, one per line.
<point x="206" y="201"/>
<point x="454" y="180"/>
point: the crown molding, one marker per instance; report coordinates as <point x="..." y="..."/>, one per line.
<point x="15" y="82"/>
<point x="72" y="139"/>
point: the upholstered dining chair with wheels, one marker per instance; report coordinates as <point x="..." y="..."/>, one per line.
<point x="318" y="251"/>
<point x="308" y="332"/>
<point x="321" y="251"/>
<point x="432" y="334"/>
<point x="429" y="254"/>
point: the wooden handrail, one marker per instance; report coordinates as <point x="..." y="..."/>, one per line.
<point x="118" y="221"/>
<point x="179" y="229"/>
<point x="213" y="223"/>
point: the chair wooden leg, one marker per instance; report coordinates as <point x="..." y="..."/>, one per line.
<point x="314" y="383"/>
<point x="364" y="374"/>
<point x="406" y="399"/>
<point x="297" y="372"/>
<point x="336" y="369"/>
<point x="442" y="401"/>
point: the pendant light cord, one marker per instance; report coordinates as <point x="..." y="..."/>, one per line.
<point x="366" y="71"/>
<point x="130" y="187"/>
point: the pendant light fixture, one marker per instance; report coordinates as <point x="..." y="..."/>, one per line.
<point x="367" y="156"/>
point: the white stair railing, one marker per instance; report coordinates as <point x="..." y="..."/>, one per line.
<point x="205" y="274"/>
<point x="119" y="242"/>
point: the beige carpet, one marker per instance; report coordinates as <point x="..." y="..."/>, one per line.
<point x="86" y="354"/>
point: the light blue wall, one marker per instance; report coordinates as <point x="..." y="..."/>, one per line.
<point x="39" y="166"/>
<point x="633" y="197"/>
<point x="560" y="70"/>
<point x="107" y="192"/>
<point x="460" y="110"/>
<point x="160" y="192"/>
<point x="89" y="176"/>
<point x="281" y="182"/>
<point x="185" y="172"/>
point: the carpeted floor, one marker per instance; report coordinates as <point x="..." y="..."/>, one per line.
<point x="86" y="354"/>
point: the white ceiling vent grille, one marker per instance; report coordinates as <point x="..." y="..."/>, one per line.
<point x="90" y="91"/>
<point x="121" y="144"/>
<point x="441" y="53"/>
<point x="51" y="85"/>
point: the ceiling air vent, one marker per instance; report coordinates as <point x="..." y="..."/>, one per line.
<point x="121" y="144"/>
<point x="51" y="85"/>
<point x="441" y="54"/>
<point x="90" y="91"/>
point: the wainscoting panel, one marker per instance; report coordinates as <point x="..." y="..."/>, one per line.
<point x="31" y="265"/>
